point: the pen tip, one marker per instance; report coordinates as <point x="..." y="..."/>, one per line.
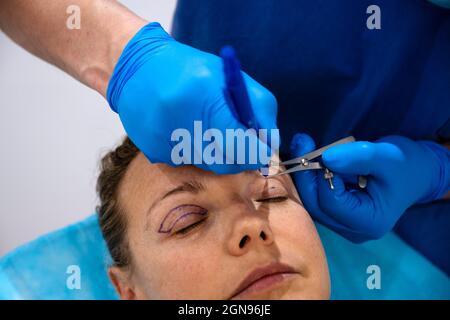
<point x="227" y="52"/>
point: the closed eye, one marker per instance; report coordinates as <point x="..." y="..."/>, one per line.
<point x="273" y="199"/>
<point x="190" y="227"/>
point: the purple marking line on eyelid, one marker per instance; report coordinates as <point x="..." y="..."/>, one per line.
<point x="173" y="224"/>
<point x="202" y="212"/>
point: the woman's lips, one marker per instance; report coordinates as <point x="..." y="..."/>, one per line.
<point x="261" y="279"/>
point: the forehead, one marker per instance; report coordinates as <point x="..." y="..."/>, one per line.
<point x="141" y="173"/>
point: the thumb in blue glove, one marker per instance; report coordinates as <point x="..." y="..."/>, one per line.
<point x="400" y="172"/>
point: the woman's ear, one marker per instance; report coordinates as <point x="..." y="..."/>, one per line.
<point x="121" y="281"/>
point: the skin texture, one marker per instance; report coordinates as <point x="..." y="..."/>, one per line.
<point x="90" y="53"/>
<point x="207" y="261"/>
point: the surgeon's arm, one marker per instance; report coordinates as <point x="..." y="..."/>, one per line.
<point x="90" y="53"/>
<point x="156" y="84"/>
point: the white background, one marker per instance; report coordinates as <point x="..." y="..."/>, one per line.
<point x="53" y="131"/>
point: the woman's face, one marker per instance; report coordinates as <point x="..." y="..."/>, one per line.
<point x="196" y="235"/>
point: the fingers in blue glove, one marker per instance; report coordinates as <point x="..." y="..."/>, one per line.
<point x="221" y="118"/>
<point x="366" y="157"/>
<point x="160" y="85"/>
<point x="314" y="191"/>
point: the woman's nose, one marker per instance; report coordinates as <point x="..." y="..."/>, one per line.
<point x="250" y="232"/>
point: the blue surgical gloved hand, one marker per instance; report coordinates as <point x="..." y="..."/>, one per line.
<point x="160" y="85"/>
<point x="400" y="173"/>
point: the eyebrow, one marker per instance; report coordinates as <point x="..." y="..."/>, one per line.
<point x="190" y="186"/>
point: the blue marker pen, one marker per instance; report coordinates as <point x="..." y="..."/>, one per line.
<point x="236" y="90"/>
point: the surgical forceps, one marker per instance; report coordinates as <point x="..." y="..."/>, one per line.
<point x="304" y="163"/>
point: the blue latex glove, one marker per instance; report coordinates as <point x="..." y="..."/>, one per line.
<point x="400" y="173"/>
<point x="160" y="85"/>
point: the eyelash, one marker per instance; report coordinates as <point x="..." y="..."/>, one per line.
<point x="273" y="199"/>
<point x="190" y="227"/>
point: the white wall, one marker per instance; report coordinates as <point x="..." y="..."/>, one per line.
<point x="53" y="131"/>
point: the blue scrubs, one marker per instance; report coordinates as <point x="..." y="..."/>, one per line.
<point x="333" y="77"/>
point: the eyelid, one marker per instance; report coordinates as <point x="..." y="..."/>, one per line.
<point x="188" y="228"/>
<point x="193" y="209"/>
<point x="273" y="199"/>
<point x="174" y="224"/>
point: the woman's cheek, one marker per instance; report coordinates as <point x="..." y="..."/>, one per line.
<point x="295" y="229"/>
<point x="291" y="220"/>
<point x="182" y="275"/>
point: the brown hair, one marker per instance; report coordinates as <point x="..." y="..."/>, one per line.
<point x="110" y="213"/>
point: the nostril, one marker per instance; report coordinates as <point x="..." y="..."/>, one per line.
<point x="243" y="241"/>
<point x="263" y="235"/>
